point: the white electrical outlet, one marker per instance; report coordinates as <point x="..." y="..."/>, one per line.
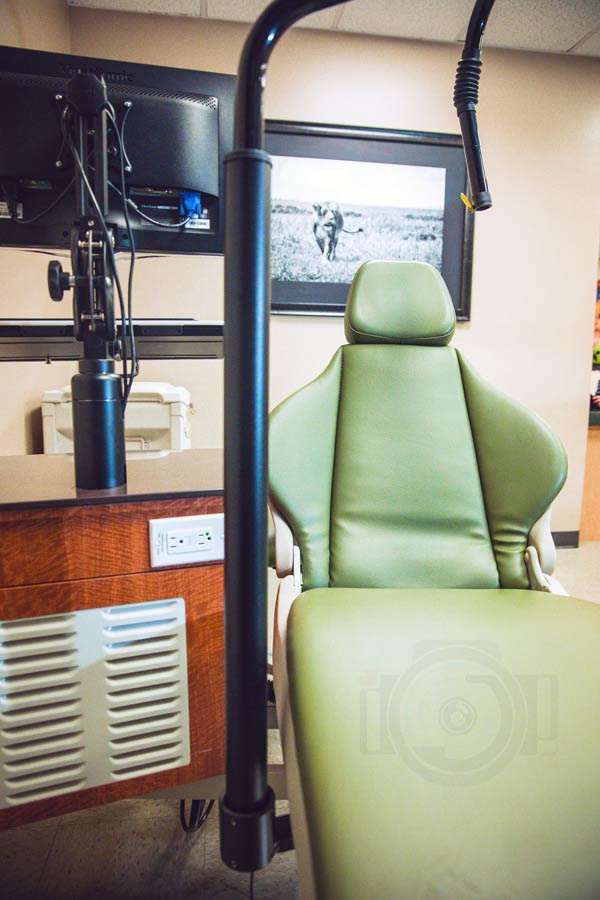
<point x="187" y="539"/>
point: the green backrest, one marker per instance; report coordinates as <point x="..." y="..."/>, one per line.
<point x="399" y="466"/>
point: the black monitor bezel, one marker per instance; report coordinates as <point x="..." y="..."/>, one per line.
<point x="64" y="65"/>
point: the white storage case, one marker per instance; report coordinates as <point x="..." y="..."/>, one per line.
<point x="156" y="420"/>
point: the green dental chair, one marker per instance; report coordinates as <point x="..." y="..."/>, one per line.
<point x="438" y="696"/>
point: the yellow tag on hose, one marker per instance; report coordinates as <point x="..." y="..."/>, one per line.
<point x="467" y="203"/>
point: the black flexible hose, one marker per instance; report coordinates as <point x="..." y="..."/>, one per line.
<point x="466" y="95"/>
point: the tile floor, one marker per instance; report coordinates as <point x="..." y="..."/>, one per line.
<point x="578" y="570"/>
<point x="132" y="850"/>
<point x="136" y="849"/>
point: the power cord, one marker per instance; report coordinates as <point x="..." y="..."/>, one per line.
<point x="143" y="215"/>
<point x="155" y="221"/>
<point x="199" y="813"/>
<point x="10" y="202"/>
<point x="120" y="134"/>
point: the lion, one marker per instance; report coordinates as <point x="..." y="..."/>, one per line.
<point x="328" y="223"/>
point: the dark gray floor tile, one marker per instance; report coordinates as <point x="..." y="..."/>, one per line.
<point x="137" y="850"/>
<point x="23" y="855"/>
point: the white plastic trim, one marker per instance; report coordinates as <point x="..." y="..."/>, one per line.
<point x="541" y="538"/>
<point x="288" y="591"/>
<point x="538" y="580"/>
<point x="284" y="543"/>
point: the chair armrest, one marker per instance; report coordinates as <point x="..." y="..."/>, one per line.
<point x="538" y="580"/>
<point x="540" y="537"/>
<point x="283" y="556"/>
<point x="540" y="557"/>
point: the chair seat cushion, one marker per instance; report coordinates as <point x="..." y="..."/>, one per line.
<point x="448" y="742"/>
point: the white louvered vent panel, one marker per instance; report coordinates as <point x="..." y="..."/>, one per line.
<point x="146" y="678"/>
<point x="92" y="697"/>
<point x="41" y="730"/>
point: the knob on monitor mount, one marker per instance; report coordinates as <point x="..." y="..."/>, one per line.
<point x="59" y="281"/>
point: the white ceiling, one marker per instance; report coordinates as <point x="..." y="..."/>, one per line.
<point x="555" y="26"/>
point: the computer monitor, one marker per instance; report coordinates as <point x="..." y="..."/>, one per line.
<point x="178" y="129"/>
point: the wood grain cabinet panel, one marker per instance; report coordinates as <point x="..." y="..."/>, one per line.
<point x="64" y="543"/>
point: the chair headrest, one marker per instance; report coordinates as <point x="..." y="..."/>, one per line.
<point x="392" y="302"/>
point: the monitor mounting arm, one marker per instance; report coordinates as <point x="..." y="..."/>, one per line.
<point x="85" y="101"/>
<point x="93" y="307"/>
<point x="97" y="392"/>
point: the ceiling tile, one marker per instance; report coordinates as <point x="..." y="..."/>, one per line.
<point x="545" y="25"/>
<point x="590" y="46"/>
<point x="434" y="20"/>
<point x="550" y="25"/>
<point x="235" y="10"/>
<point x="161" y="7"/>
<point x="249" y="10"/>
<point x="326" y="19"/>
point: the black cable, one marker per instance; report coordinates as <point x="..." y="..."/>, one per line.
<point x="251" y="894"/>
<point x="106" y="232"/>
<point x="128" y="107"/>
<point x="45" y="212"/>
<point x="122" y="156"/>
<point x="134" y="205"/>
<point x="124" y="159"/>
<point x="154" y="221"/>
<point x="199" y="813"/>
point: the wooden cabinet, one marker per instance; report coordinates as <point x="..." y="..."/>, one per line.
<point x="74" y="552"/>
<point x="590" y="508"/>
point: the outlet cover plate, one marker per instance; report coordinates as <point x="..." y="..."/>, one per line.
<point x="182" y="540"/>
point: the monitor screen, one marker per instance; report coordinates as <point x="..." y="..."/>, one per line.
<point x="178" y="127"/>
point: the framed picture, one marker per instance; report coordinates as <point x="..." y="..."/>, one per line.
<point x="342" y="196"/>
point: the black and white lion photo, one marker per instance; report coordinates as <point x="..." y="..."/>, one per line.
<point x="329" y="216"/>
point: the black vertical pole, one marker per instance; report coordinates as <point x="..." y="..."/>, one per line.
<point x="246" y="835"/>
<point x="248" y="179"/>
<point x="248" y="802"/>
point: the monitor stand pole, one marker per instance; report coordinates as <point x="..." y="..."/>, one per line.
<point x="97" y="391"/>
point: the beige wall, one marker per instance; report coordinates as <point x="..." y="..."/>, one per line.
<point x="38" y="24"/>
<point x="536" y="252"/>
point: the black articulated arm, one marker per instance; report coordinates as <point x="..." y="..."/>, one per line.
<point x="277" y="18"/>
<point x="466" y="95"/>
<point x="247" y="806"/>
<point x="98" y="393"/>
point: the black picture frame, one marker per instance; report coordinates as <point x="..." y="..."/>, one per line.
<point x="368" y="145"/>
